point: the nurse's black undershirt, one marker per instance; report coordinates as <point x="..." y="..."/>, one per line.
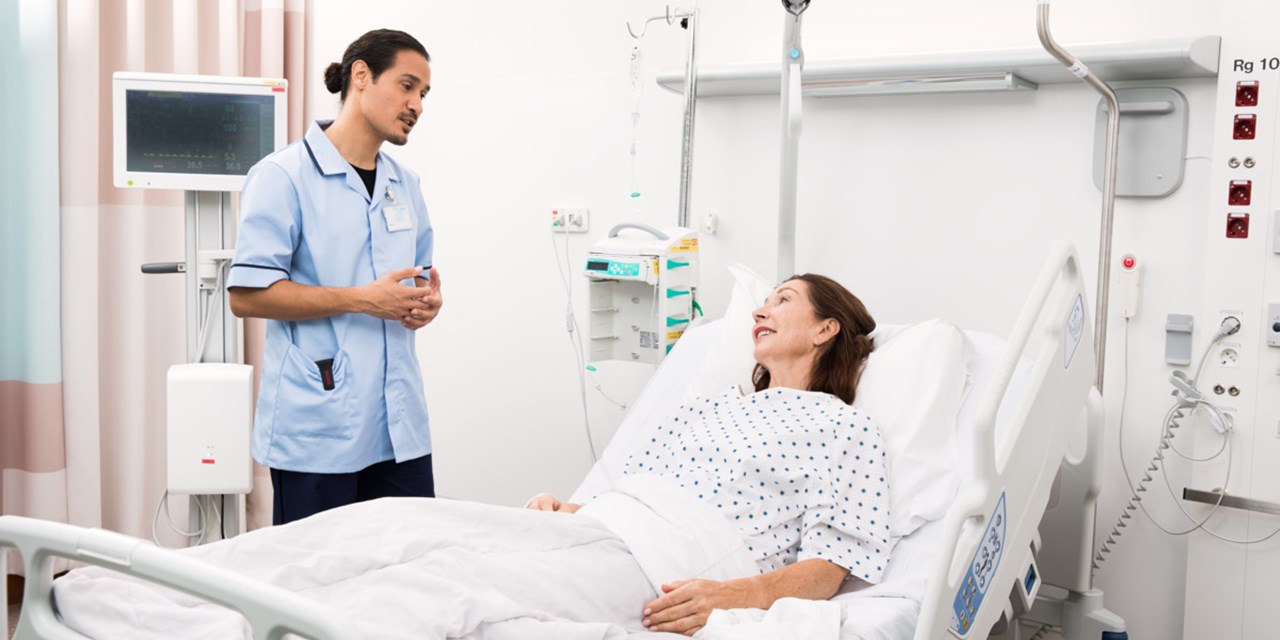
<point x="368" y="176"/>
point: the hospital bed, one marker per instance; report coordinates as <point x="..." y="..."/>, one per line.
<point x="968" y="560"/>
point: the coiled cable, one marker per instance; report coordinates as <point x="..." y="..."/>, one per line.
<point x="1187" y="399"/>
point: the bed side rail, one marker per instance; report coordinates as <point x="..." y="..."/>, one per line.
<point x="1067" y="529"/>
<point x="272" y="611"/>
<point x="1020" y="442"/>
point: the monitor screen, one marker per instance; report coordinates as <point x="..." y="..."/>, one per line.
<point x="196" y="133"/>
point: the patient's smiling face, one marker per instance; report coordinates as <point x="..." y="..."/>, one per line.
<point x="789" y="335"/>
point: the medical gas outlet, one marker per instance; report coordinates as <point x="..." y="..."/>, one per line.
<point x="641" y="287"/>
<point x="570" y="219"/>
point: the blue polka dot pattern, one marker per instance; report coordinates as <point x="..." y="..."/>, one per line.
<point x="800" y="474"/>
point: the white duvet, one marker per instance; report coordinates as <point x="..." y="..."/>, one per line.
<point x="424" y="568"/>
<point x="398" y="568"/>
<point x="420" y="568"/>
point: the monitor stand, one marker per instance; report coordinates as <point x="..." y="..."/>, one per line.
<point x="211" y="229"/>
<point x="213" y="332"/>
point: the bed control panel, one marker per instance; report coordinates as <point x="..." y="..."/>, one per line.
<point x="982" y="569"/>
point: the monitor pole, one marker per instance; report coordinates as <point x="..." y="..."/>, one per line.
<point x="213" y="332"/>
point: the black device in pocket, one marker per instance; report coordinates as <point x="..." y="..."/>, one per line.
<point x="326" y="373"/>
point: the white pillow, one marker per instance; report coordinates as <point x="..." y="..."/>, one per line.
<point x="912" y="386"/>
<point x="730" y="361"/>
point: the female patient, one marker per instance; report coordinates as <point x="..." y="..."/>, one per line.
<point x="798" y="472"/>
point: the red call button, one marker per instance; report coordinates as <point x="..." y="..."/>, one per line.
<point x="1128" y="262"/>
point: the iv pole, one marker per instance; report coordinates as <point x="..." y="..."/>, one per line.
<point x="792" y="67"/>
<point x="689" y="20"/>
<point x="1081" y="614"/>
<point x="1108" y="178"/>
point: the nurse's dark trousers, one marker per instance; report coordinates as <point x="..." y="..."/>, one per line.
<point x="298" y="494"/>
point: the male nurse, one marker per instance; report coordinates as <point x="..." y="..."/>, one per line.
<point x="334" y="250"/>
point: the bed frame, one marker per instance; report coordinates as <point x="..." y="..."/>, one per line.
<point x="271" y="611"/>
<point x="987" y="572"/>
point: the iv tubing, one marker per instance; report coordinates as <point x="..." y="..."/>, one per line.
<point x="690" y="106"/>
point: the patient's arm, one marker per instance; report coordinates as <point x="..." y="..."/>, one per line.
<point x="686" y="604"/>
<point x="548" y="502"/>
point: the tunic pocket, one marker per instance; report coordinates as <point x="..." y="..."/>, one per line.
<point x="304" y="407"/>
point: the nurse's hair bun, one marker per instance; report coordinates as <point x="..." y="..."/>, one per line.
<point x="333" y="78"/>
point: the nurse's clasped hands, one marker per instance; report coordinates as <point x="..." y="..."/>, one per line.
<point x="388" y="299"/>
<point x="419" y="318"/>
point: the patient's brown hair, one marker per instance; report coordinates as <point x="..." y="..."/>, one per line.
<point x="839" y="366"/>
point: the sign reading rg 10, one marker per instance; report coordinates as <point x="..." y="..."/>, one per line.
<point x="1264" y="64"/>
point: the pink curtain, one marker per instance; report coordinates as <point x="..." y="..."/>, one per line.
<point x="92" y="444"/>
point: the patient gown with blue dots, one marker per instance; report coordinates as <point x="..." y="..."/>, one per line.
<point x="800" y="474"/>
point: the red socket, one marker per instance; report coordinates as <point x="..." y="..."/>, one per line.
<point x="1246" y="127"/>
<point x="1237" y="225"/>
<point x="1240" y="193"/>
<point x="1247" y="93"/>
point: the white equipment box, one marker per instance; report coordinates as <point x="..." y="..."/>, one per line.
<point x="210" y="416"/>
<point x="642" y="287"/>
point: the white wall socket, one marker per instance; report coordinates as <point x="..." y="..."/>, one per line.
<point x="1229" y="358"/>
<point x="570" y="219"/>
<point x="710" y="223"/>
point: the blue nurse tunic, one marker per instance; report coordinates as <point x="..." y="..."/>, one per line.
<point x="307" y="217"/>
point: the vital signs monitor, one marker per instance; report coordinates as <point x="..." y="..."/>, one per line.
<point x="195" y="133"/>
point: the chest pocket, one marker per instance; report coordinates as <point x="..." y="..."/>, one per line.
<point x="395" y="230"/>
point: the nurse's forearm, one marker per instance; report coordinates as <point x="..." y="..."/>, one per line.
<point x="287" y="300"/>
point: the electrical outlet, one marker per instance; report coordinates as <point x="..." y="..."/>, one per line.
<point x="1240" y="193"/>
<point x="1224" y="317"/>
<point x="1237" y="225"/>
<point x="1247" y="93"/>
<point x="1228" y="358"/>
<point x="1245" y="127"/>
<point x="710" y="222"/>
<point x="570" y="219"/>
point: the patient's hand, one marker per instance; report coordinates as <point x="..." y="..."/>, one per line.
<point x="548" y="502"/>
<point x="686" y="604"/>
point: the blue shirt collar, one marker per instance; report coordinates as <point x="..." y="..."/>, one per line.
<point x="330" y="161"/>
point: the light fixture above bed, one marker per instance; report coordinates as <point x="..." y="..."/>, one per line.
<point x="1190" y="57"/>
<point x="1007" y="81"/>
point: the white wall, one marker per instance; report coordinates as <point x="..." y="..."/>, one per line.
<point x="924" y="206"/>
